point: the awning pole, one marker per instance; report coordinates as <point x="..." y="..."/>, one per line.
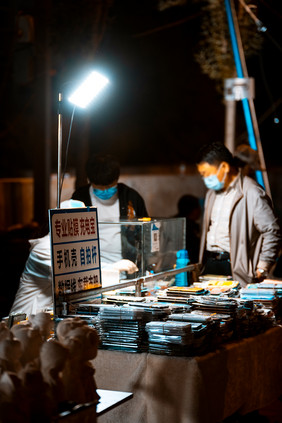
<point x="247" y="103"/>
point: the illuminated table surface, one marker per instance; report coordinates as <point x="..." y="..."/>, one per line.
<point x="241" y="376"/>
<point x="85" y="413"/>
<point x="110" y="399"/>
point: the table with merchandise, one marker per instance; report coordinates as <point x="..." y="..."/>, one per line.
<point x="199" y="381"/>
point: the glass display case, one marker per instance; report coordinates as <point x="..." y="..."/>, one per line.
<point x="151" y="244"/>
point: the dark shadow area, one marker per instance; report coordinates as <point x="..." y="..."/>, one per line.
<point x="14" y="251"/>
<point x="269" y="414"/>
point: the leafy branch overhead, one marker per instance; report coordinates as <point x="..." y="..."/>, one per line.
<point x="215" y="55"/>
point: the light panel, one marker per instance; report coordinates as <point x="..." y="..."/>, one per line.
<point x="89" y="89"/>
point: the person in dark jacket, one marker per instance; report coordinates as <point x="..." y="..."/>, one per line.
<point x="114" y="201"/>
<point x="103" y="172"/>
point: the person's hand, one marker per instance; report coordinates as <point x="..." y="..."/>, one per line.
<point x="261" y="274"/>
<point x="125" y="265"/>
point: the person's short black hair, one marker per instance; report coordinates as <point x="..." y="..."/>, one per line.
<point x="102" y="169"/>
<point x="214" y="153"/>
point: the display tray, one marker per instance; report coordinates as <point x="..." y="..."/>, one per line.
<point x="82" y="413"/>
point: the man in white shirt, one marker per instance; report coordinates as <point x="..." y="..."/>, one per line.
<point x="240" y="235"/>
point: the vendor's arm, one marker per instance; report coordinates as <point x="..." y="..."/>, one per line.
<point x="122" y="265"/>
<point x="125" y="266"/>
<point x="267" y="225"/>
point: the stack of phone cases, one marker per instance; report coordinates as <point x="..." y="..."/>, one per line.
<point x="124" y="327"/>
<point x="170" y="338"/>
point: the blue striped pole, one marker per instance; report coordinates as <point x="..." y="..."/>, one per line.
<point x="240" y="74"/>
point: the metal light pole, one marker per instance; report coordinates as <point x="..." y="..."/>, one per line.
<point x="60" y="138"/>
<point x="81" y="97"/>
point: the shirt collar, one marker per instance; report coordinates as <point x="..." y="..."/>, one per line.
<point x="232" y="185"/>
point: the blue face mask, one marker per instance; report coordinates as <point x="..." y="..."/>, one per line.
<point x="212" y="181"/>
<point x="105" y="194"/>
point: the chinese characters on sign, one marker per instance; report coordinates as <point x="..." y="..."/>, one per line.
<point x="74" y="227"/>
<point x="75" y="250"/>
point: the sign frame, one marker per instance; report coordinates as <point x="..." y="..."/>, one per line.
<point x="75" y="255"/>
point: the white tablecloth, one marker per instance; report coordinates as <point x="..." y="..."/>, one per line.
<point x="241" y="376"/>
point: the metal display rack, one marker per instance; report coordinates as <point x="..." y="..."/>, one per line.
<point x="137" y="282"/>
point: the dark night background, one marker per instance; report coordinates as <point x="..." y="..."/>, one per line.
<point x="159" y="108"/>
